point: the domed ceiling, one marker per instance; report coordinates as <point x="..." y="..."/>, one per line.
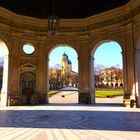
<point x="66" y="9"/>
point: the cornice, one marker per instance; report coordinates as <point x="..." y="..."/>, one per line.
<point x="120" y="16"/>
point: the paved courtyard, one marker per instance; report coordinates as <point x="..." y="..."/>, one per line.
<point x="69" y="122"/>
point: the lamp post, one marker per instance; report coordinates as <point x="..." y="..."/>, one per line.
<point x="53" y="22"/>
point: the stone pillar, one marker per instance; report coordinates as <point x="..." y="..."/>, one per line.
<point x="92" y="80"/>
<point x="14" y="97"/>
<point x="137" y="83"/>
<point x="126" y="100"/>
<point x="129" y="68"/>
<point x="42" y="72"/>
<point x="84" y="71"/>
<point x="47" y="79"/>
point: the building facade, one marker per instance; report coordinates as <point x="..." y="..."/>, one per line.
<point x="66" y="64"/>
<point x="84" y="35"/>
<point x="111" y="77"/>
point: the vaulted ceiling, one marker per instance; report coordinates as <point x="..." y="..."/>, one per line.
<point x="66" y="9"/>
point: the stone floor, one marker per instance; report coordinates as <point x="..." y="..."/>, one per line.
<point x="70" y="122"/>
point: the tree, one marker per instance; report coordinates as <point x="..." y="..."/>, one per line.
<point x="98" y="68"/>
<point x="57" y="78"/>
<point x="1" y="61"/>
<point x="97" y="73"/>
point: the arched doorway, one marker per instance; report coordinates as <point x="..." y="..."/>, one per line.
<point x="28" y="78"/>
<point x="107" y="73"/>
<point x="63" y="75"/>
<point x="4" y="81"/>
<point x="28" y="86"/>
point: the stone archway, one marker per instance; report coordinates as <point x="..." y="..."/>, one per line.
<point x="66" y="70"/>
<point x="5" y="55"/>
<point x="92" y="66"/>
<point x="27" y="82"/>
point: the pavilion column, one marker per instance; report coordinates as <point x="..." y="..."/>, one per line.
<point x="14" y="97"/>
<point x="137" y="83"/>
<point x="47" y="80"/>
<point x="92" y="80"/>
<point x="84" y="71"/>
<point x="42" y="73"/>
<point x="129" y="69"/>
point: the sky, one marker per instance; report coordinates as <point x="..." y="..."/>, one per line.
<point x="108" y="54"/>
<point x="3" y="49"/>
<point x="56" y="56"/>
<point x="28" y="49"/>
<point x="1" y="52"/>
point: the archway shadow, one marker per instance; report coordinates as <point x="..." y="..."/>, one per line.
<point x="71" y="118"/>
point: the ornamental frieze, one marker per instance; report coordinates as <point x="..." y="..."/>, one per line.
<point x="22" y="26"/>
<point x="115" y="20"/>
<point x="136" y="11"/>
<point x="72" y="29"/>
<point x="104" y="23"/>
<point x="6" y="36"/>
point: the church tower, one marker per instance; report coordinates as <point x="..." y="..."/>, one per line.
<point x="66" y="64"/>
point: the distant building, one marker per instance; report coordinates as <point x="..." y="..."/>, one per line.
<point x="66" y="64"/>
<point x="111" y="77"/>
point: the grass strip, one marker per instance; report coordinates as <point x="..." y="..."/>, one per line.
<point x="108" y="93"/>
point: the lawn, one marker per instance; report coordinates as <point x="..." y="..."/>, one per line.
<point x="99" y="92"/>
<point x="53" y="92"/>
<point x="108" y="92"/>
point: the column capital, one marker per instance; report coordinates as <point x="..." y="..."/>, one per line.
<point x="122" y="52"/>
<point x="91" y="58"/>
<point x="78" y="57"/>
<point x="47" y="59"/>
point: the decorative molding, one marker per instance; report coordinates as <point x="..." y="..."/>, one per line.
<point x="6" y="36"/>
<point x="123" y="19"/>
<point x="28" y="67"/>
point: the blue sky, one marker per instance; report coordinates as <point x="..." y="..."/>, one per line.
<point x="56" y="56"/>
<point x="107" y="54"/>
<point x="2" y="50"/>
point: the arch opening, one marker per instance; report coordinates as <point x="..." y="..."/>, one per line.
<point x="107" y="73"/>
<point x="63" y="75"/>
<point x="4" y="56"/>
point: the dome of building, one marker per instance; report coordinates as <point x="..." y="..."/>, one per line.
<point x="69" y="62"/>
<point x="65" y="55"/>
